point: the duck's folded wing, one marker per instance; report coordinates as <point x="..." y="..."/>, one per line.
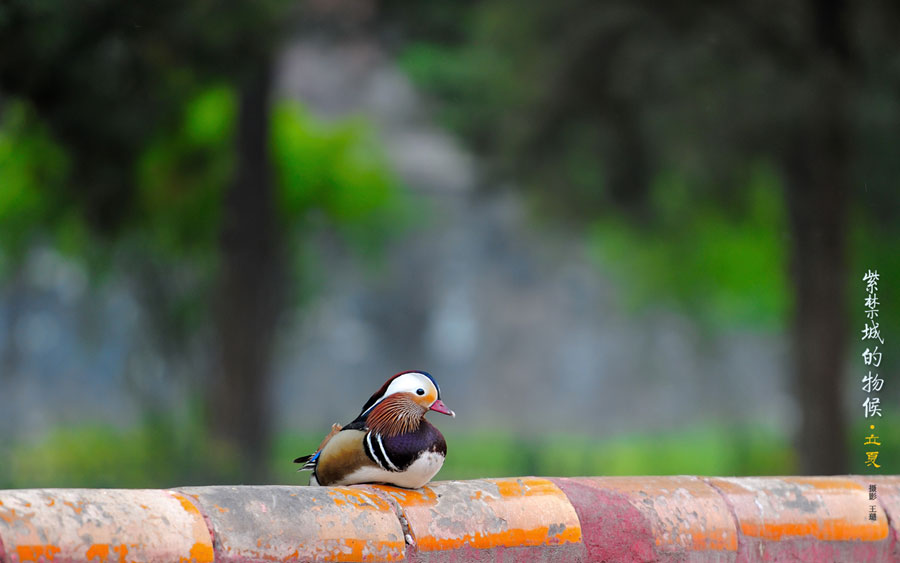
<point x="309" y="461"/>
<point x="343" y="458"/>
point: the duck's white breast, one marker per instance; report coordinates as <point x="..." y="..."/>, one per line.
<point x="415" y="476"/>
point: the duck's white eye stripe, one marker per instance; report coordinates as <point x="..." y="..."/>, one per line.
<point x="384" y="453"/>
<point x="412" y="382"/>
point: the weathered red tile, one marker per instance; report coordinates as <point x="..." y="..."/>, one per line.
<point x="277" y="523"/>
<point x="652" y="518"/>
<point x="524" y="519"/>
<point x="69" y="525"/>
<point x="805" y="519"/>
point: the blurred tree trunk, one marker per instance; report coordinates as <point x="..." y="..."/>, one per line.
<point x="251" y="287"/>
<point x="817" y="200"/>
<point x="817" y="177"/>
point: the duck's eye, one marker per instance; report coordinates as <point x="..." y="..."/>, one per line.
<point x="420" y="391"/>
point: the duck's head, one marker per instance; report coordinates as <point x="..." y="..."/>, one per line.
<point x="418" y="388"/>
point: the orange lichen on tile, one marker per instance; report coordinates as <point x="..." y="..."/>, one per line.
<point x="409" y="497"/>
<point x="8" y="516"/>
<point x="202" y="553"/>
<point x="36" y="552"/>
<point x="510" y="537"/>
<point x="202" y="550"/>
<point x="98" y="550"/>
<point x="355" y="552"/>
<point x="526" y="486"/>
<point x="825" y="483"/>
<point x="71" y="505"/>
<point x="362" y="550"/>
<point x="832" y="529"/>
<point x="359" y="498"/>
<point x="185" y="503"/>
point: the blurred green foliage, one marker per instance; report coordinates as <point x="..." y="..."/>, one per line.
<point x="727" y="267"/>
<point x="182" y="176"/>
<point x="328" y="175"/>
<point x="333" y="169"/>
<point x="118" y="144"/>
<point x="32" y="171"/>
<point x="101" y="456"/>
<point x="477" y="79"/>
<point x="104" y="76"/>
<point x="655" y="128"/>
<point x="336" y="170"/>
<point x="163" y="453"/>
<point x="726" y="264"/>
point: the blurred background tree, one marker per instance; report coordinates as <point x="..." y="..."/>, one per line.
<point x="659" y="114"/>
<point x="190" y="187"/>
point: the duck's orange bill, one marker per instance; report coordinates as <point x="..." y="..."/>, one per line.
<point x="441" y="408"/>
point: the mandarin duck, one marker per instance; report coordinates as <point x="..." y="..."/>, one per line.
<point x="389" y="442"/>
